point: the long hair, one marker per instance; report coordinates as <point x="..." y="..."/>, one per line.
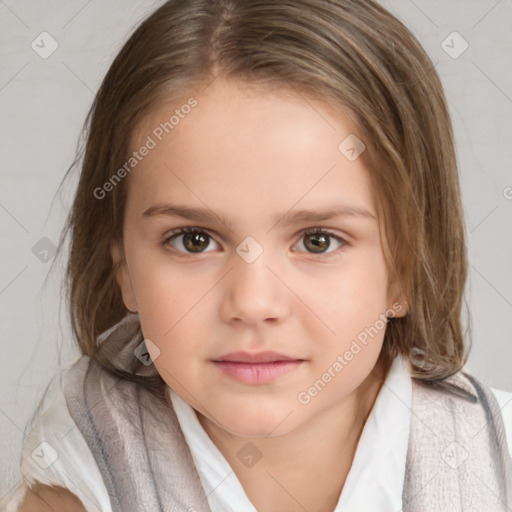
<point x="359" y="60"/>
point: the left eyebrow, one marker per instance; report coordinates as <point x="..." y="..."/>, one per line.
<point x="323" y="214"/>
<point x="285" y="219"/>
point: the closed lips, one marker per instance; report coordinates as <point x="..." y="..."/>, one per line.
<point x="259" y="358"/>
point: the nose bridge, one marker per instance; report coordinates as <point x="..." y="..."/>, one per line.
<point x="255" y="293"/>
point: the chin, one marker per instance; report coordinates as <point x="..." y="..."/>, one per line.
<point x="263" y="429"/>
<point x="254" y="423"/>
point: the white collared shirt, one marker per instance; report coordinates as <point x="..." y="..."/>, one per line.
<point x="374" y="482"/>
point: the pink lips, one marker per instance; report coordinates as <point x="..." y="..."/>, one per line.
<point x="257" y="368"/>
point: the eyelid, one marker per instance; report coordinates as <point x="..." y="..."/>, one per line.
<point x="183" y="231"/>
<point x="213" y="234"/>
<point x="190" y="229"/>
<point x="329" y="233"/>
<point x="344" y="240"/>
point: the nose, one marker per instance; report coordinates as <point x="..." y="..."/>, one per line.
<point x="254" y="294"/>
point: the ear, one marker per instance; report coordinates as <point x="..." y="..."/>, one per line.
<point x="396" y="300"/>
<point x="123" y="277"/>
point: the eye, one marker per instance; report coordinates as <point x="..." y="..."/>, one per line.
<point x="317" y="241"/>
<point x="189" y="240"/>
<point x="193" y="240"/>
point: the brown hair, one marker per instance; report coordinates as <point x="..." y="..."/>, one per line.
<point x="355" y="57"/>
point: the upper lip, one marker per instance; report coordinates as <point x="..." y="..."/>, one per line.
<point x="260" y="357"/>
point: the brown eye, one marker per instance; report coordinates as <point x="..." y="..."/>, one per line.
<point x="189" y="240"/>
<point x="318" y="241"/>
<point x="195" y="242"/>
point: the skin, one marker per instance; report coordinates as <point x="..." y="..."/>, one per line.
<point x="44" y="498"/>
<point x="251" y="155"/>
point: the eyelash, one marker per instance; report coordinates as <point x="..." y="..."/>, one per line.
<point x="311" y="231"/>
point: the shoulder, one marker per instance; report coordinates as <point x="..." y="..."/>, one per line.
<point x="56" y="455"/>
<point x="464" y="394"/>
<point x="45" y="498"/>
<point x="499" y="403"/>
<point x="504" y="399"/>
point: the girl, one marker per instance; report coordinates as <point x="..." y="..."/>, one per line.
<point x="266" y="276"/>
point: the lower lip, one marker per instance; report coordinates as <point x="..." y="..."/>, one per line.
<point x="257" y="373"/>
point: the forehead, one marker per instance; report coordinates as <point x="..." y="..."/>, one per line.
<point x="247" y="148"/>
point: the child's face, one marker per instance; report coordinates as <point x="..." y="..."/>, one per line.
<point x="254" y="160"/>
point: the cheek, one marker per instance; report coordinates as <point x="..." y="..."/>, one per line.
<point x="354" y="307"/>
<point x="356" y="297"/>
<point x="179" y="335"/>
<point x="165" y="294"/>
<point x="175" y="310"/>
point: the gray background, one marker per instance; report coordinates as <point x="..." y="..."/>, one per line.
<point x="43" y="105"/>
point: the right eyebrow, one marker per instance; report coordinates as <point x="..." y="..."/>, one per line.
<point x="185" y="212"/>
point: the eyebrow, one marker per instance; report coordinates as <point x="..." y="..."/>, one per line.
<point x="285" y="219"/>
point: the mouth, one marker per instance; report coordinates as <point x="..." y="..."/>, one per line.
<point x="259" y="368"/>
<point x="260" y="357"/>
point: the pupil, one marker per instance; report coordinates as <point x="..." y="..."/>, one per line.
<point x="318" y="241"/>
<point x="193" y="241"/>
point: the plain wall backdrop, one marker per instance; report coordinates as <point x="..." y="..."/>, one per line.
<point x="44" y="99"/>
